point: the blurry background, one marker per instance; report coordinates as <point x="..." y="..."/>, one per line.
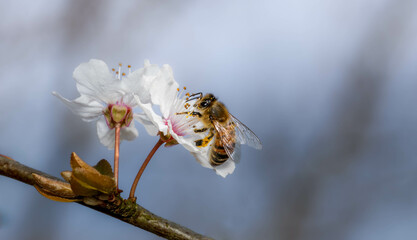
<point x="328" y="86"/>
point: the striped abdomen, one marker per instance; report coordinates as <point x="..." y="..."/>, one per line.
<point x="224" y="142"/>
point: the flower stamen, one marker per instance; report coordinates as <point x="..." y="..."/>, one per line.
<point x="120" y="70"/>
<point x="119" y="74"/>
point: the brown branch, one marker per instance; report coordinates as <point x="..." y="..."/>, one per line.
<point x="121" y="209"/>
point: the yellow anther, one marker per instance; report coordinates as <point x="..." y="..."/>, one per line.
<point x="123" y="74"/>
<point x="117" y="72"/>
<point x="185" y="88"/>
<point x="187" y="94"/>
<point x="186" y="99"/>
<point x="178" y="89"/>
<point x="113" y="69"/>
<point x="129" y="66"/>
<point x="120" y="64"/>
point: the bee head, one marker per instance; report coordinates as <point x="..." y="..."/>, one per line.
<point x="205" y="102"/>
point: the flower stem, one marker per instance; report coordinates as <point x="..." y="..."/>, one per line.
<point x="116" y="155"/>
<point x="142" y="168"/>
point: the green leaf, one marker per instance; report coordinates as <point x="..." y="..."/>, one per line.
<point x="90" y="178"/>
<point x="82" y="189"/>
<point x="86" y="180"/>
<point x="104" y="167"/>
<point x="76" y="162"/>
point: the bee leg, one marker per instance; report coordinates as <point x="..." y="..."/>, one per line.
<point x="205" y="141"/>
<point x="199" y="142"/>
<point x="183" y="113"/>
<point x="191" y="113"/>
<point x="196" y="113"/>
<point x="200" y="130"/>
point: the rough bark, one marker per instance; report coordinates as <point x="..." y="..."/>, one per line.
<point x="121" y="209"/>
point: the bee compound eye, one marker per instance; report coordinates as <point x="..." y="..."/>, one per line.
<point x="204" y="104"/>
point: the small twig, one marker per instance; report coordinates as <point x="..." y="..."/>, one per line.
<point x="142" y="168"/>
<point x="123" y="210"/>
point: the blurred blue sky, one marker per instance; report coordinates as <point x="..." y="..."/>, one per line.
<point x="328" y="86"/>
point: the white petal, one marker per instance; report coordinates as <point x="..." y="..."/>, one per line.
<point x="84" y="106"/>
<point x="141" y="80"/>
<point x="129" y="133"/>
<point x="150" y="127"/>
<point x="94" y="79"/>
<point x="129" y="99"/>
<point x="202" y="157"/>
<point x="132" y="83"/>
<point x="163" y="90"/>
<point x="107" y="135"/>
<point x="152" y="117"/>
<point x="226" y="168"/>
<point x="187" y="142"/>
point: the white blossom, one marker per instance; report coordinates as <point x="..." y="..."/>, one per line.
<point x="158" y="88"/>
<point x="104" y="97"/>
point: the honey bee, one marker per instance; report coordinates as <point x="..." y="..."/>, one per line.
<point x="226" y="130"/>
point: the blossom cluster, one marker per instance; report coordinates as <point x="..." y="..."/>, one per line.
<point x="115" y="99"/>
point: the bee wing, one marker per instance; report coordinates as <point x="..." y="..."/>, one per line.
<point x="235" y="155"/>
<point x="244" y="135"/>
<point x="227" y="138"/>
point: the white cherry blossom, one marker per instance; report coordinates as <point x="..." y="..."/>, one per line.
<point x="161" y="90"/>
<point x="105" y="97"/>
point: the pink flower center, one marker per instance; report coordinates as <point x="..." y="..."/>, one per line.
<point x="176" y="128"/>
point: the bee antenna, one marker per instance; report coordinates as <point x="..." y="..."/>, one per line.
<point x="194" y="96"/>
